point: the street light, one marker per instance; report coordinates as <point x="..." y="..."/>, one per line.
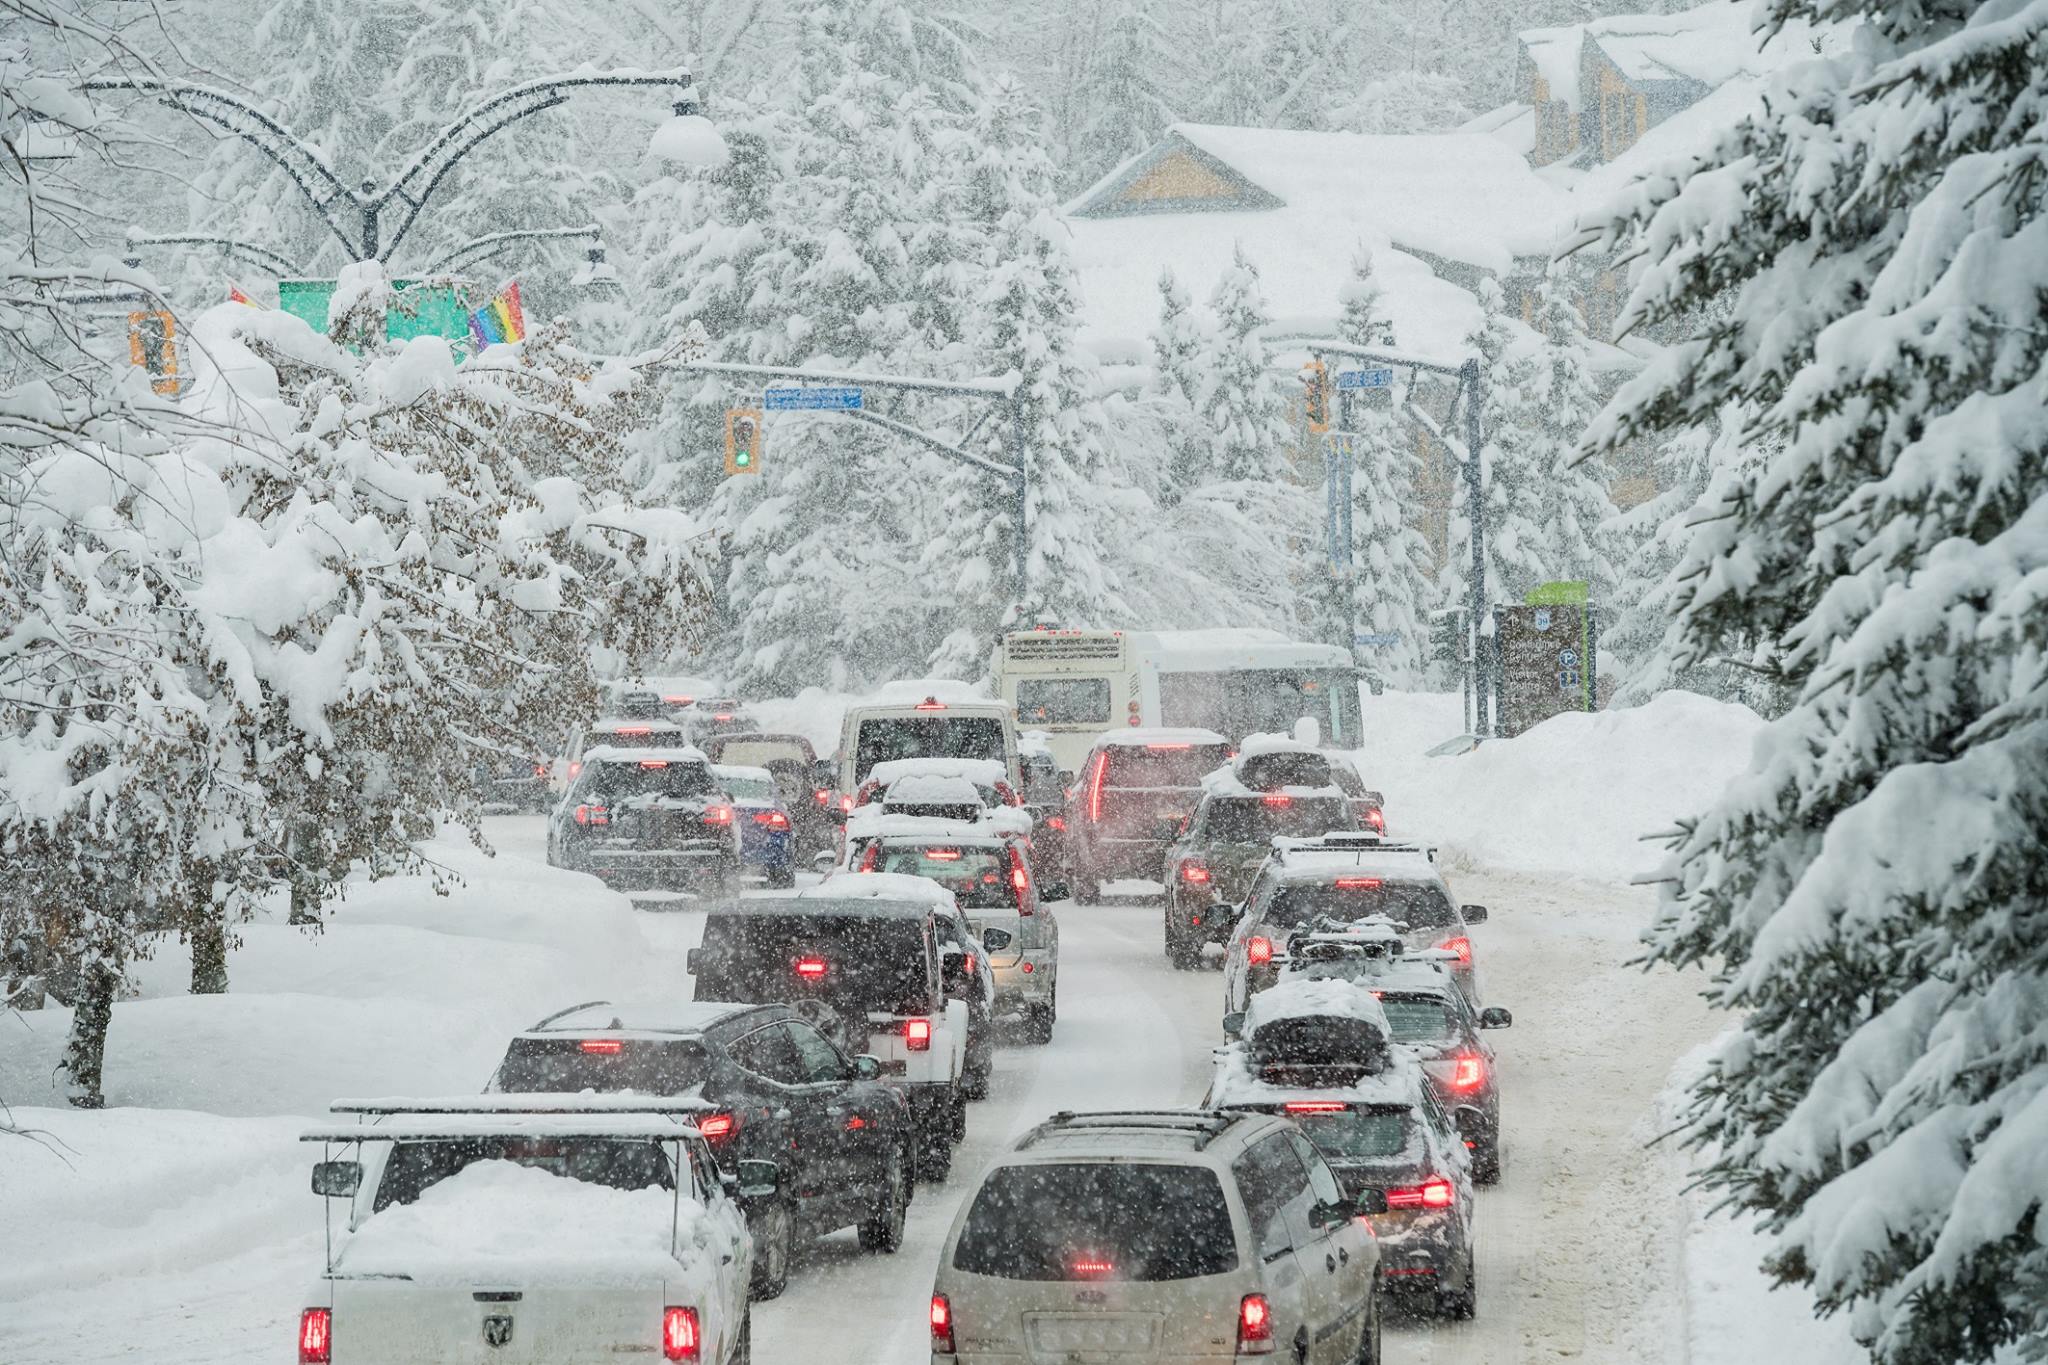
<point x="261" y="257"/>
<point x="680" y="138"/>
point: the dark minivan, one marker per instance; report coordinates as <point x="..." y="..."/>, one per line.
<point x="1136" y="787"/>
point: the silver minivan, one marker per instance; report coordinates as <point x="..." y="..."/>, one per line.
<point x="1186" y="1235"/>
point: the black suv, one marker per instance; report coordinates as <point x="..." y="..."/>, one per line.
<point x="1136" y="787"/>
<point x="873" y="976"/>
<point x="761" y="1085"/>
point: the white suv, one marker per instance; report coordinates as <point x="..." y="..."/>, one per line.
<point x="1168" y="1235"/>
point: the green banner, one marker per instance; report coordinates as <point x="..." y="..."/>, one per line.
<point x="417" y="310"/>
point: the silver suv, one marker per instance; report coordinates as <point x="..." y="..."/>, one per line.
<point x="1183" y="1235"/>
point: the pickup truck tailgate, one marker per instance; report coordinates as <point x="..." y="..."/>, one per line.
<point x="397" y="1322"/>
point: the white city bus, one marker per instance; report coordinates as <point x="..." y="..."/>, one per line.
<point x="1075" y="684"/>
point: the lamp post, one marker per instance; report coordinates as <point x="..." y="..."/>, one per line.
<point x="357" y="216"/>
<point x="262" y="257"/>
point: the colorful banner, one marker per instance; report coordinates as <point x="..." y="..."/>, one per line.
<point x="499" y="320"/>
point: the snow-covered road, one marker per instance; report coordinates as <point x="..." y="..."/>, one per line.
<point x="199" y="1225"/>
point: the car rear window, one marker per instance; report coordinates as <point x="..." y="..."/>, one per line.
<point x="1419" y="905"/>
<point x="750" y="788"/>
<point x="1357" y="1134"/>
<point x="1161" y="765"/>
<point x="1098" y="1220"/>
<point x="416" y="1167"/>
<point x="1421" y="1020"/>
<point x="930" y="736"/>
<point x="1254" y="820"/>
<point x="866" y="962"/>
<point x="650" y="777"/>
<point x="639" y="737"/>
<point x="1063" y="701"/>
<point x="564" y="1065"/>
<point x="978" y="876"/>
<point x="759" y="753"/>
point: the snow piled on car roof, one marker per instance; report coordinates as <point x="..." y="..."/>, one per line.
<point x="1234" y="1080"/>
<point x="981" y="771"/>
<point x="497" y="1222"/>
<point x="1299" y="999"/>
<point x="877" y="886"/>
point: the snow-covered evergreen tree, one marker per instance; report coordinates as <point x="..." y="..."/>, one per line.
<point x="1871" y="897"/>
<point x="1516" y="458"/>
<point x="1238" y="394"/>
<point x="1575" y="504"/>
<point x="1126" y="108"/>
<point x="1178" y="347"/>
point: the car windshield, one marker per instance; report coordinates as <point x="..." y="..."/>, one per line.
<point x="978" y="876"/>
<point x="1356" y="1134"/>
<point x="1418" y="1019"/>
<point x="1255" y="819"/>
<point x="619" y="781"/>
<point x="565" y="1066"/>
<point x="856" y="961"/>
<point x="415" y="1167"/>
<point x="1161" y="765"/>
<point x="1418" y="905"/>
<point x="1098" y="1220"/>
<point x="1063" y="701"/>
<point x="760" y="753"/>
<point x="928" y="736"/>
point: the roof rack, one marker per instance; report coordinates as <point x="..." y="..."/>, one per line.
<point x="1348" y="841"/>
<point x="558" y="1014"/>
<point x="1207" y="1124"/>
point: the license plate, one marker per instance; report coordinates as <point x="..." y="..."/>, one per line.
<point x="1088" y="1332"/>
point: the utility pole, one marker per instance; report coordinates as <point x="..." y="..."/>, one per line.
<point x="1475" y="491"/>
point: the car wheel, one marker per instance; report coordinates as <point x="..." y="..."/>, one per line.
<point x="1039" y="1021"/>
<point x="1369" y="1342"/>
<point x="974" y="1080"/>
<point x="934" y="1158"/>
<point x="774" y="1229"/>
<point x="1486" y="1163"/>
<point x="743" y="1349"/>
<point x="884" y="1232"/>
<point x="1465" y="1304"/>
<point x="960" y="1115"/>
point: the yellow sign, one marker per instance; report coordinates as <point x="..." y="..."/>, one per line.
<point x="153" y="346"/>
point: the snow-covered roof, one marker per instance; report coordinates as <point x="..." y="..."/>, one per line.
<point x="1225" y="782"/>
<point x="881" y="886"/>
<point x="1293" y="998"/>
<point x="614" y="725"/>
<point x="928" y="789"/>
<point x="979" y="771"/>
<point x="1000" y="825"/>
<point x="909" y="691"/>
<point x="1171" y="651"/>
<point x="1235" y="1081"/>
<point x="645" y="1016"/>
<point x="1466" y="197"/>
<point x="1158" y="734"/>
<point x="455" y="1127"/>
<point x="1388" y="865"/>
<point x="1708" y="45"/>
<point x="621" y="753"/>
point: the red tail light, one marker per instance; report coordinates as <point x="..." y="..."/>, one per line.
<point x="942" y="1326"/>
<point x="679" y="1338"/>
<point x="1469" y="1073"/>
<point x="1254" y="1326"/>
<point x="593" y="815"/>
<point x="773" y="819"/>
<point x="846" y="803"/>
<point x="717" y="1126"/>
<point x="1433" y="1193"/>
<point x="316" y="1336"/>
<point x="917" y="1035"/>
<point x="654" y="763"/>
<point x="718" y="815"/>
<point x="540" y="770"/>
<point x="1377" y="819"/>
<point x="1055" y="822"/>
<point x="679" y="701"/>
<point x="576" y="768"/>
<point x="634" y="730"/>
<point x="1358" y="883"/>
<point x="869" y="857"/>
<point x="1166" y="748"/>
<point x="1092" y="1266"/>
<point x="1460" y="945"/>
<point x="824" y="795"/>
<point x="1007" y="795"/>
<point x="1020" y="882"/>
<point x="1277" y="800"/>
<point x="929" y="704"/>
<point x="1316" y="1106"/>
<point x="1096" y="773"/>
<point x="1258" y="950"/>
<point x="602" y="1047"/>
<point x="810" y="968"/>
<point x="943" y="855"/>
<point x="1194" y="873"/>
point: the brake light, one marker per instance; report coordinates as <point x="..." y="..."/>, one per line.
<point x="929" y="704"/>
<point x="1433" y="1193"/>
<point x="723" y="716"/>
<point x="942" y="1326"/>
<point x="1194" y="873"/>
<point x="316" y="1336"/>
<point x="654" y="763"/>
<point x="679" y="1334"/>
<point x="824" y="795"/>
<point x="1166" y="748"/>
<point x="1316" y="1106"/>
<point x="576" y="768"/>
<point x="679" y="701"/>
<point x="1008" y="794"/>
<point x="634" y="730"/>
<point x="846" y="803"/>
<point x="917" y="1035"/>
<point x="1277" y="800"/>
<point x="1096" y="772"/>
<point x="943" y="855"/>
<point x="1377" y="818"/>
<point x="602" y="1047"/>
<point x="1460" y="945"/>
<point x="1358" y="883"/>
<point x="1254" y="1326"/>
<point x="811" y="968"/>
<point x="1020" y="882"/>
<point x="540" y="770"/>
<point x="593" y="815"/>
<point x="718" y="815"/>
<point x="1469" y="1073"/>
<point x="1055" y="822"/>
<point x="717" y="1126"/>
<point x="1091" y="1265"/>
<point x="1258" y="950"/>
<point x="774" y="819"/>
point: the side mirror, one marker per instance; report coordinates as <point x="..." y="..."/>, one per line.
<point x="1328" y="1215"/>
<point x="1493" y="1016"/>
<point x="1370" y="1201"/>
<point x="1233" y="1024"/>
<point x="757" y="1180"/>
<point x="836" y="813"/>
<point x="690" y="960"/>
<point x="867" y="1067"/>
<point x="1055" y="891"/>
<point x="995" y="940"/>
<point x="824" y="860"/>
<point x="1474" y="914"/>
<point x="1471" y="1123"/>
<point x="337" y="1179"/>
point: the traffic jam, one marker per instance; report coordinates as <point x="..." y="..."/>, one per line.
<point x="880" y="931"/>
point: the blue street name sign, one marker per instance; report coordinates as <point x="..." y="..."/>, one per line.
<point x="1365" y="379"/>
<point x="825" y="397"/>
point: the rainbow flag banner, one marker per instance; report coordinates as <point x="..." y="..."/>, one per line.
<point x="235" y="295"/>
<point x="499" y="320"/>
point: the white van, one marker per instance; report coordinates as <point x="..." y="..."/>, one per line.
<point x="926" y="719"/>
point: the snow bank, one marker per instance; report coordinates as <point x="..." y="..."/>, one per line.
<point x="1575" y="796"/>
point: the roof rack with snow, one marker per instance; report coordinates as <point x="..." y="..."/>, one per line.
<point x="1207" y="1124"/>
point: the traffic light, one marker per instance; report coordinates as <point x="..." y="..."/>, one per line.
<point x="153" y="346"/>
<point x="1316" y="376"/>
<point x="743" y="440"/>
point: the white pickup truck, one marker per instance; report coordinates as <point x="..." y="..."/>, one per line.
<point x="525" y="1229"/>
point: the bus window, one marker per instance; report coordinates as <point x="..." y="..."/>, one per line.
<point x="1063" y="701"/>
<point x="1262" y="701"/>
